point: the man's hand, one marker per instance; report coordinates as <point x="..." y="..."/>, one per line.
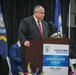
<point x="27" y="44"/>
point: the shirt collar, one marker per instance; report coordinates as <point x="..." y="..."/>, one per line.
<point x="18" y="44"/>
<point x="35" y="18"/>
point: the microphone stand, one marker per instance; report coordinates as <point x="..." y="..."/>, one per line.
<point x="56" y="31"/>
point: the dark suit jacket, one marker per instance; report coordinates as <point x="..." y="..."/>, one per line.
<point x="15" y="60"/>
<point x="28" y="30"/>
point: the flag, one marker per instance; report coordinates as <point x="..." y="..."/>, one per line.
<point x="57" y="17"/>
<point x="3" y="45"/>
<point x="3" y="38"/>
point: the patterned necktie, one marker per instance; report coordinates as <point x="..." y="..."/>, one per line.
<point x="40" y="29"/>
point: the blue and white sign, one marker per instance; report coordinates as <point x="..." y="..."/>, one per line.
<point x="55" y="59"/>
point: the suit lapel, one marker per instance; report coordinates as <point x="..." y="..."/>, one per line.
<point x="18" y="48"/>
<point x="44" y="29"/>
<point x="35" y="25"/>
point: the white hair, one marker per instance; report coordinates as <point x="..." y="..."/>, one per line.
<point x="37" y="8"/>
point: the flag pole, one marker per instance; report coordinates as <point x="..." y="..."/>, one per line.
<point x="69" y="20"/>
<point x="69" y="24"/>
<point x="8" y="61"/>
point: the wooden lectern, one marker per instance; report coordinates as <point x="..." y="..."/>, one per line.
<point x="34" y="54"/>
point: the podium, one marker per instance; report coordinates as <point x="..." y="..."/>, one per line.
<point x="34" y="54"/>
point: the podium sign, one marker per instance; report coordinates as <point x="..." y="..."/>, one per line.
<point x="55" y="59"/>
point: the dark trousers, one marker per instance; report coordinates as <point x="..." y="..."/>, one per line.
<point x="23" y="63"/>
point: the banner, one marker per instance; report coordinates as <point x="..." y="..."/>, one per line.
<point x="55" y="59"/>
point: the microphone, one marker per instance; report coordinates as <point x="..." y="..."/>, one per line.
<point x="55" y="28"/>
<point x="53" y="25"/>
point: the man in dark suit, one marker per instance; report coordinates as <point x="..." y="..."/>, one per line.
<point x="15" y="60"/>
<point x="29" y="30"/>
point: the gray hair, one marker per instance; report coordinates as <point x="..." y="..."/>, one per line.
<point x="36" y="8"/>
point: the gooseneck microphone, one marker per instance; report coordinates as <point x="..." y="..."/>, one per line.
<point x="54" y="27"/>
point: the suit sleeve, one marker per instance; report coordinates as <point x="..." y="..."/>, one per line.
<point x="13" y="53"/>
<point x="22" y="32"/>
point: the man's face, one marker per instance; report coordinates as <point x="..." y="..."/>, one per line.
<point x="40" y="14"/>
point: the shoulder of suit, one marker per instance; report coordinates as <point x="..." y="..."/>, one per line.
<point x="28" y="18"/>
<point x="14" y="46"/>
<point x="44" y="21"/>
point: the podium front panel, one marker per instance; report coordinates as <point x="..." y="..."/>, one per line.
<point x="34" y="54"/>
